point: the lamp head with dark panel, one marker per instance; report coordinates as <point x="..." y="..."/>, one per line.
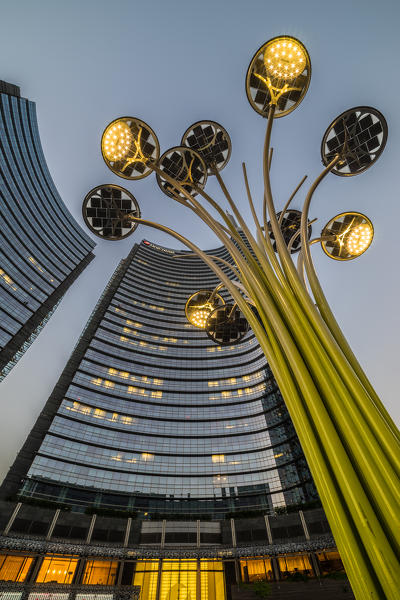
<point x="358" y="136"/>
<point x="186" y="167"/>
<point x="211" y="141"/>
<point x="226" y="325"/>
<point x="107" y="210"/>
<point x="290" y="227"/>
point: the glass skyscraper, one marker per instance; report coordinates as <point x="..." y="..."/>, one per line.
<point x="151" y="416"/>
<point x="42" y="248"/>
<point x="161" y="462"/>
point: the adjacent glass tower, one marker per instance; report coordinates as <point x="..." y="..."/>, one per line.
<point x="42" y="248"/>
<point x="151" y="416"/>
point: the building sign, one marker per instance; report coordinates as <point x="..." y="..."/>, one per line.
<point x="151" y="245"/>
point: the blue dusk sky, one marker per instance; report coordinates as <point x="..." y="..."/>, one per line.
<point x="174" y="62"/>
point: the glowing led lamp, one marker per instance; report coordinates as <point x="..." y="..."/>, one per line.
<point x="199" y="317"/>
<point x="347" y="236"/>
<point x="200" y="305"/>
<point x="284" y="59"/>
<point x="359" y="239"/>
<point x="117" y="141"/>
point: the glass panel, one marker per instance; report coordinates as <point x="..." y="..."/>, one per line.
<point x="211" y="565"/>
<point x="14" y="568"/>
<point x="179" y="585"/>
<point x="212" y="585"/>
<point x="100" y="572"/>
<point x="329" y="562"/>
<point x="256" y="570"/>
<point x="179" y="565"/>
<point x="57" y="570"/>
<point x="294" y="564"/>
<point x="147" y="565"/>
<point x="147" y="583"/>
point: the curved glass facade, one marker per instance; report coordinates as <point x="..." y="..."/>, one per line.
<point x="155" y="417"/>
<point x="42" y="248"/>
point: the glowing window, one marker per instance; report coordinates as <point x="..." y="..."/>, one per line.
<point x="218" y="458"/>
<point x="146" y="575"/>
<point x="8" y="280"/>
<point x="156" y="394"/>
<point x="100" y="572"/>
<point x="96" y="381"/>
<point x="14" y="568"/>
<point x="57" y="569"/>
<point x="146" y="456"/>
<point x="292" y="564"/>
<point x="213" y="383"/>
<point x="35" y="262"/>
<point x="254" y="570"/>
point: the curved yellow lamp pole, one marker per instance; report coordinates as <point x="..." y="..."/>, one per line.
<point x="350" y="443"/>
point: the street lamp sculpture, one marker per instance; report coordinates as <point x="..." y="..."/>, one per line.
<point x="349" y="440"/>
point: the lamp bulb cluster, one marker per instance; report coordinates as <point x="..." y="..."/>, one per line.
<point x="117" y="141"/>
<point x="284" y="60"/>
<point x="199" y="316"/>
<point x="359" y="238"/>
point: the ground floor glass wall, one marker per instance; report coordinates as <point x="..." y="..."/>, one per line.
<point x="181" y="579"/>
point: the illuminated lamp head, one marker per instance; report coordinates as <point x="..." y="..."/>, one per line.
<point x="347" y="236"/>
<point x="279" y="74"/>
<point x="200" y="305"/>
<point x="129" y="147"/>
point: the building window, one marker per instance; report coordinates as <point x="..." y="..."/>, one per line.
<point x="55" y="569"/>
<point x="294" y="564"/>
<point x="146" y="575"/>
<point x="212" y="580"/>
<point x="218" y="458"/>
<point x="14" y="568"/>
<point x="100" y="572"/>
<point x="146" y="456"/>
<point x="178" y="580"/>
<point x="256" y="570"/>
<point x="329" y="562"/>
